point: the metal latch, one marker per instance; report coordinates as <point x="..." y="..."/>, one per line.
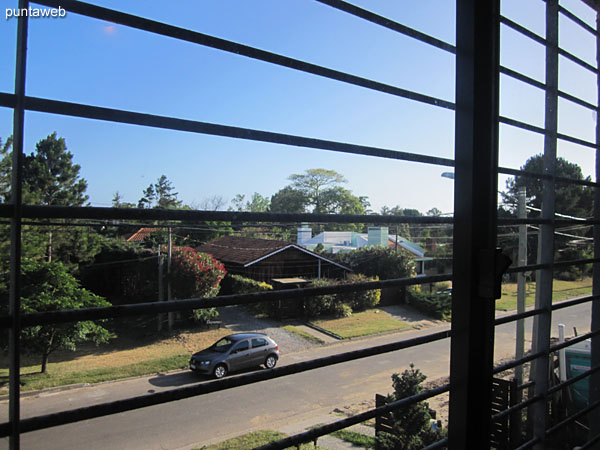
<point x="492" y="266"/>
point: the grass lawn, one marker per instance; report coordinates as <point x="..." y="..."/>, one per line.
<point x="356" y="438"/>
<point x="303" y="334"/>
<point x="124" y="357"/>
<point x="363" y="323"/>
<point x="561" y="290"/>
<point x="254" y="439"/>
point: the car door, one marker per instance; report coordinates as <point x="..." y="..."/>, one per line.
<point x="239" y="357"/>
<point x="259" y="350"/>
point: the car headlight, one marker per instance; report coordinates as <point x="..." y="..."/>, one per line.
<point x="204" y="363"/>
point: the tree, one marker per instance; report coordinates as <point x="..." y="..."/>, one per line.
<point x="313" y="183"/>
<point x="571" y="199"/>
<point x="5" y="168"/>
<point x="50" y="175"/>
<point x="160" y="195"/>
<point x="257" y="203"/>
<point x="196" y="274"/>
<point x="117" y="202"/>
<point x="383" y="262"/>
<point x="50" y="287"/>
<point x="289" y="200"/>
<point x="412" y="424"/>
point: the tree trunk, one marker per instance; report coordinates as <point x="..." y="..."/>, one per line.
<point x="50" y="245"/>
<point x="44" y="362"/>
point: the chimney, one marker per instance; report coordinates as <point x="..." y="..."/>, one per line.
<point x="304" y="234"/>
<point x="378" y="236"/>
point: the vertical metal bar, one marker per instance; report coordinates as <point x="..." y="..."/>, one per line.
<point x="543" y="299"/>
<point x="15" y="231"/>
<point x="594" y="419"/>
<point x="521" y="284"/>
<point x="475" y="203"/>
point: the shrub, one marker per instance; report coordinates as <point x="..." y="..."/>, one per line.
<point x="438" y="306"/>
<point x="319" y="305"/>
<point x="412" y="424"/>
<point x="341" y="310"/>
<point x="237" y="284"/>
<point x="361" y="300"/>
<point x="196" y="274"/>
<point x="383" y="262"/>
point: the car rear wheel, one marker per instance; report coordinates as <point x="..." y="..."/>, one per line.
<point x="270" y="362"/>
<point x="220" y="371"/>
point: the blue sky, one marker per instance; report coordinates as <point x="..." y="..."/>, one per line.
<point x="84" y="60"/>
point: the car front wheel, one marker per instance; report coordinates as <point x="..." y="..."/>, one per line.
<point x="270" y="362"/>
<point x="220" y="371"/>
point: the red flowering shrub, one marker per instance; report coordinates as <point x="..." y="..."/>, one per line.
<point x="195" y="274"/>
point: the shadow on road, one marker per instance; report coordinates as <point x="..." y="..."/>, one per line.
<point x="177" y="379"/>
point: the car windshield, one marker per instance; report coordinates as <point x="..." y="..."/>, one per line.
<point x="222" y="345"/>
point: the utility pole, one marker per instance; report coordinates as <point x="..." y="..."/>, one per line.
<point x="161" y="298"/>
<point x="169" y="279"/>
<point x="521" y="282"/>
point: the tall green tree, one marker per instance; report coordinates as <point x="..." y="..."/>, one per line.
<point x="289" y="200"/>
<point x="314" y="183"/>
<point x="160" y="195"/>
<point x="257" y="203"/>
<point x="50" y="287"/>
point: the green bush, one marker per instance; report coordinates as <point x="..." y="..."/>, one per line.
<point x="319" y="305"/>
<point x="341" y="310"/>
<point x="237" y="284"/>
<point x="361" y="300"/>
<point x="438" y="306"/>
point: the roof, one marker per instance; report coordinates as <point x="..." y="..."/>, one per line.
<point x="141" y="234"/>
<point x="247" y="251"/>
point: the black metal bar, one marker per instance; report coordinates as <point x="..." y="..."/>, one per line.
<point x="182" y="34"/>
<point x="193" y="126"/>
<point x="565" y="12"/>
<point x="518" y="362"/>
<point x="72" y="315"/>
<point x="540" y="176"/>
<point x="570" y="381"/>
<point x="518" y="407"/>
<point x="538" y="84"/>
<point x="591" y="443"/>
<point x="535" y="129"/>
<point x="575" y="340"/>
<point x="574" y="302"/>
<point x="572" y="418"/>
<point x="389" y="24"/>
<point x="529" y="444"/>
<point x="524" y="31"/>
<point x="67" y="212"/>
<point x="594" y="393"/>
<point x="515" y="317"/>
<point x="104" y="409"/>
<point x="311" y="435"/>
<point x="439" y="444"/>
<point x="580" y="62"/>
<point x="14" y="307"/>
<point x="475" y="198"/>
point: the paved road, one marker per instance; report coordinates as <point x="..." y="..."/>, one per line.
<point x="267" y="405"/>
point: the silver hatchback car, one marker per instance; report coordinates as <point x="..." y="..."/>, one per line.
<point x="236" y="352"/>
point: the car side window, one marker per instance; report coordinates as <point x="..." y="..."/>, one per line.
<point x="240" y="347"/>
<point x="258" y="342"/>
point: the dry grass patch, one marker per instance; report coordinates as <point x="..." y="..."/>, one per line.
<point x="560" y="290"/>
<point x="120" y="358"/>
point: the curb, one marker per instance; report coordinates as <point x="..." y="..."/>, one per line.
<point x="67" y="387"/>
<point x="325" y="332"/>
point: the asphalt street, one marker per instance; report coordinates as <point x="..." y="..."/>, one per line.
<point x="272" y="404"/>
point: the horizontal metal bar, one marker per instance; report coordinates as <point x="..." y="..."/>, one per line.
<point x="73" y="315"/>
<point x="517" y="362"/>
<point x="529" y="443"/>
<point x="580" y="62"/>
<point x="524" y="31"/>
<point x="573" y="380"/>
<point x="564" y="11"/>
<point x="540" y="176"/>
<point x="591" y="443"/>
<point x="515" y="317"/>
<point x="439" y="444"/>
<point x="193" y="126"/>
<point x="315" y="433"/>
<point x="388" y="23"/>
<point x="575" y="340"/>
<point x="572" y="418"/>
<point x="535" y="129"/>
<point x="574" y="302"/>
<point x="517" y="407"/>
<point x="556" y="222"/>
<point x="102" y="213"/>
<point x="540" y="85"/>
<point x="109" y="408"/>
<point x="540" y="40"/>
<point x="182" y="34"/>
